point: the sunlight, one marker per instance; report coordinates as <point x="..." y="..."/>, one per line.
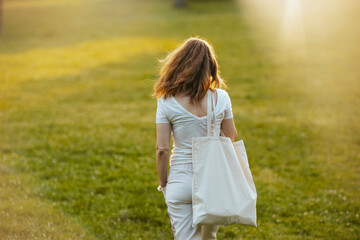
<point x="293" y="31"/>
<point x="279" y="22"/>
<point x="322" y="30"/>
<point x="315" y="46"/>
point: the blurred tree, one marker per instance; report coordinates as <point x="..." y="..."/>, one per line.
<point x="178" y="3"/>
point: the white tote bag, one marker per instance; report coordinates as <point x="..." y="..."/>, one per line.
<point x="223" y="191"/>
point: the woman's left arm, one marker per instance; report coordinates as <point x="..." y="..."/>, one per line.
<point x="163" y="134"/>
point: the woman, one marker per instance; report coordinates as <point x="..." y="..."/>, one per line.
<point x="185" y="78"/>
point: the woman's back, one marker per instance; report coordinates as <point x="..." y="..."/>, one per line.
<point x="198" y="110"/>
<point x="189" y="120"/>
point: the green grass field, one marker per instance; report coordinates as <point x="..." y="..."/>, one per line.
<point x="77" y="123"/>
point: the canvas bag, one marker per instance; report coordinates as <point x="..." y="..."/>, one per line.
<point x="223" y="191"/>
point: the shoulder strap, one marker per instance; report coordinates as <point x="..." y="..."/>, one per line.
<point x="210" y="112"/>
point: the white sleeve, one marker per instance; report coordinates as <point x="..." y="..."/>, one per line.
<point x="161" y="116"/>
<point x="228" y="109"/>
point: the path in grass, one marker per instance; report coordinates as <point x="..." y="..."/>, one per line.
<point x="77" y="121"/>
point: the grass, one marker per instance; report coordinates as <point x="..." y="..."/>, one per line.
<point x="25" y="216"/>
<point x="78" y="134"/>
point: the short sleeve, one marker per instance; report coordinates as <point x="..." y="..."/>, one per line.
<point x="228" y="108"/>
<point x="161" y="116"/>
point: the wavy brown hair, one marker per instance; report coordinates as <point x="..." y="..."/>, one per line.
<point x="191" y="69"/>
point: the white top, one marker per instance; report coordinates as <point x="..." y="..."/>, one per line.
<point x="186" y="125"/>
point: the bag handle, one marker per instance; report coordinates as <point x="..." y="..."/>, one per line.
<point x="209" y="111"/>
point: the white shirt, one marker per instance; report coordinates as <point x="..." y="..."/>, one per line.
<point x="186" y="125"/>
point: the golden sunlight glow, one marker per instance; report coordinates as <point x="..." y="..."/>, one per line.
<point x="315" y="45"/>
<point x="293" y="24"/>
<point x="291" y="27"/>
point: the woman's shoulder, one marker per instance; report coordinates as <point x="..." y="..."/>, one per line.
<point x="168" y="101"/>
<point x="222" y="92"/>
<point x="224" y="98"/>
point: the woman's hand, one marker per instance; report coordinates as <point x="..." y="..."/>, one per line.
<point x="162" y="189"/>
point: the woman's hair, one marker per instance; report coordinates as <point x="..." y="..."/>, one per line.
<point x="191" y="69"/>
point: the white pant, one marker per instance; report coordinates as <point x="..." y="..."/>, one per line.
<point x="178" y="198"/>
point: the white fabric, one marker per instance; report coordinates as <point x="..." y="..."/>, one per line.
<point x="223" y="188"/>
<point x="185" y="125"/>
<point x="178" y="198"/>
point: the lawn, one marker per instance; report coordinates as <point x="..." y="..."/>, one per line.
<point x="77" y="122"/>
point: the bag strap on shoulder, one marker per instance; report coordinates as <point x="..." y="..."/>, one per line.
<point x="210" y="113"/>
